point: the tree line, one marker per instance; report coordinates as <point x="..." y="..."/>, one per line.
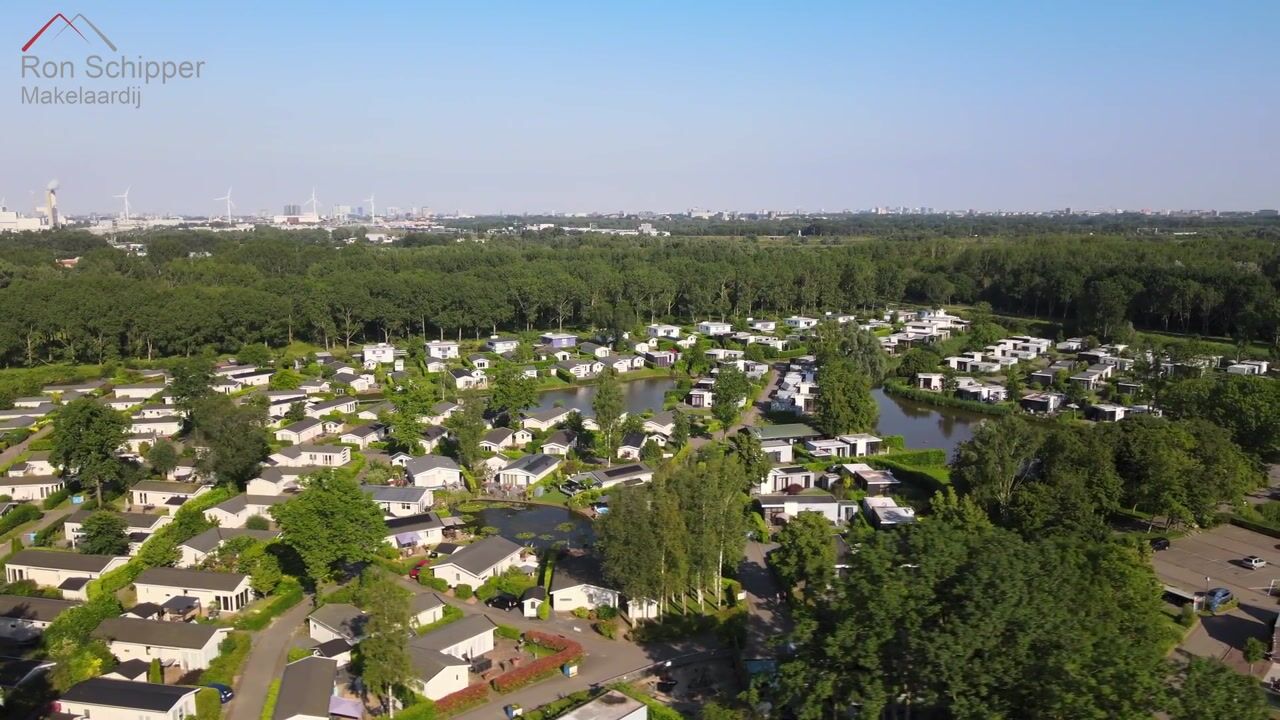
<point x="274" y="287"/>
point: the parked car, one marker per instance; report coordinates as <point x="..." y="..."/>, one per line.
<point x="424" y="562"/>
<point x="503" y="601"/>
<point x="224" y="693"/>
<point x="1253" y="562"/>
<point x="1160" y="543"/>
<point x="1217" y="597"/>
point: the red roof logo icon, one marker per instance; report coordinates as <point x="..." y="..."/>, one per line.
<point x="63" y="23"/>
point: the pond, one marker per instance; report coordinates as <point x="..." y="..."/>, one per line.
<point x="924" y="426"/>
<point x="637" y="396"/>
<point x="538" y="525"/>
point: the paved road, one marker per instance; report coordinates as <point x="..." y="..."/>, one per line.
<point x="50" y="516"/>
<point x="12" y="453"/>
<point x="769" y="616"/>
<point x="266" y="662"/>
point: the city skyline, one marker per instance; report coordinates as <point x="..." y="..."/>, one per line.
<point x="575" y="108"/>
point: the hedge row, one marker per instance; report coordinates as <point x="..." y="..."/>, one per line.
<point x="288" y="593"/>
<point x="1257" y="527"/>
<point x="55" y="499"/>
<point x="454" y="703"/>
<point x="933" y="479"/>
<point x="24" y="513"/>
<point x="232" y="653"/>
<point x="568" y="651"/>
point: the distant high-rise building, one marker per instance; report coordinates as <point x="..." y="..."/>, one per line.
<point x="292" y="209"/>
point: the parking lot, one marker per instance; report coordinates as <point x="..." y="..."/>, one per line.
<point x="1214" y="558"/>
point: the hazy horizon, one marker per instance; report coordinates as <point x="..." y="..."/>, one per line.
<point x="577" y="107"/>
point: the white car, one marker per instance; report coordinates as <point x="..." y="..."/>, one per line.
<point x="1254" y="562"/>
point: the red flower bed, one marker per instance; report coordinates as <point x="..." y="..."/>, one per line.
<point x="468" y="697"/>
<point x="569" y="651"/>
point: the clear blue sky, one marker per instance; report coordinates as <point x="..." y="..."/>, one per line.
<point x="528" y="106"/>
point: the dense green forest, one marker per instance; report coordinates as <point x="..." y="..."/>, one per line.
<point x="196" y="290"/>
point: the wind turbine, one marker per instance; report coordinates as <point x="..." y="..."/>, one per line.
<point x="373" y="208"/>
<point x="125" y="197"/>
<point x="230" y="204"/>
<point x="315" y="206"/>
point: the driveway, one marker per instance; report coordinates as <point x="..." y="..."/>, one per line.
<point x="267" y="656"/>
<point x="1212" y="559"/>
<point x="605" y="659"/>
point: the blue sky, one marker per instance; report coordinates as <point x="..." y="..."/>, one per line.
<point x="576" y="106"/>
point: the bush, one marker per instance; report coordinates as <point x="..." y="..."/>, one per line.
<point x="508" y="632"/>
<point x="208" y="704"/>
<point x="486" y="592"/>
<point x="298" y="653"/>
<point x="465" y="699"/>
<point x="581" y="613"/>
<point x="568" y="651"/>
<point x="288" y="593"/>
<point x="608" y="628"/>
<point x="232" y="653"/>
<point x="155" y="673"/>
<point x="556" y="708"/>
<point x="657" y="711"/>
<point x="425" y="710"/>
<point x="21" y="515"/>
<point x="257" y="522"/>
<point x="544" y="610"/>
<point x="269" y="704"/>
<point x="55" y="499"/>
<point x="450" y="614"/>
<point x="433" y="582"/>
<point x="463" y="592"/>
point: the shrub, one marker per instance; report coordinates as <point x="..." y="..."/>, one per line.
<point x="486" y="591"/>
<point x="208" y="704"/>
<point x="288" y="593"/>
<point x="257" y="522"/>
<point x="155" y="673"/>
<point x="567" y="651"/>
<point x="298" y="653"/>
<point x="606" y="612"/>
<point x="425" y="710"/>
<point x="556" y="708"/>
<point x="24" y="513"/>
<point x="462" y="700"/>
<point x="55" y="499"/>
<point x="608" y="628"/>
<point x="232" y="653"/>
<point x="433" y="582"/>
<point x="508" y="632"/>
<point x="463" y="592"/>
<point x="581" y="613"/>
<point x="269" y="704"/>
<point x="544" y="610"/>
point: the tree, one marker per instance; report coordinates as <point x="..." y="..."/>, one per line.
<point x="607" y="405"/>
<point x="384" y="651"/>
<point x="729" y="390"/>
<point x="236" y="436"/>
<point x="806" y="554"/>
<point x="996" y="462"/>
<point x="191" y="380"/>
<point x="467" y="427"/>
<point x="845" y="404"/>
<point x="512" y="390"/>
<point x="86" y="437"/>
<point x="331" y="524"/>
<point x="917" y="360"/>
<point x="680" y="433"/>
<point x="103" y="533"/>
<point x="1209" y="690"/>
<point x="163" y="458"/>
<point x="256" y="354"/>
<point x="651" y="453"/>
<point x="960" y="618"/>
<point x="297" y="412"/>
<point x="257" y="522"/>
<point x="860" y="347"/>
<point x="404" y="430"/>
<point x="1254" y="651"/>
<point x="749" y="452"/>
<point x="1248" y="406"/>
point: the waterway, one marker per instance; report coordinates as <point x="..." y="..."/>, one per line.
<point x="924" y="426"/>
<point x="637" y="396"/>
<point x="539" y="525"/>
